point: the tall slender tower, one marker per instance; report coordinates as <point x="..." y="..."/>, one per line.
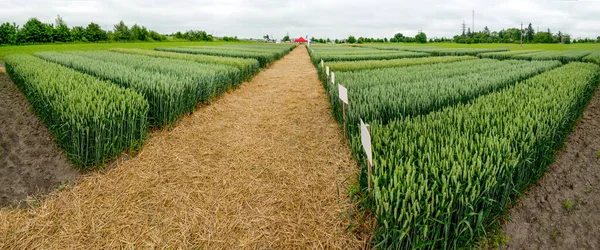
<point x="473" y="27"/>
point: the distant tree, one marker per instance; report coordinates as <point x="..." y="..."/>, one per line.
<point x="338" y="40"/>
<point x="321" y="40"/>
<point x="360" y="39"/>
<point x="351" y="39"/>
<point x="200" y="35"/>
<point x="61" y="33"/>
<point x="598" y="39"/>
<point x="385" y="40"/>
<point x="77" y="33"/>
<point x="566" y="39"/>
<point x="8" y="33"/>
<point x="399" y="37"/>
<point x="328" y="40"/>
<point x="543" y="37"/>
<point x="158" y="37"/>
<point x="486" y="30"/>
<point x="529" y="33"/>
<point x="93" y="33"/>
<point x="286" y="38"/>
<point x="421" y="38"/>
<point x="35" y="31"/>
<point x="122" y="32"/>
<point x="139" y="33"/>
<point x="469" y="32"/>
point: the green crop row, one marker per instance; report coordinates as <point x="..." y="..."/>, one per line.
<point x="169" y="96"/>
<point x="248" y="67"/>
<point x="316" y="57"/>
<point x="440" y="180"/>
<point x="264" y="55"/>
<point x="593" y="57"/>
<point x="455" y="51"/>
<point x="395" y="93"/>
<point x="563" y="56"/>
<point x="403" y="62"/>
<point x="92" y="120"/>
<point x="211" y="79"/>
<point x="506" y="54"/>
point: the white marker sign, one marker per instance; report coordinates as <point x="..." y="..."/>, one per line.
<point x="321" y="63"/>
<point x="365" y="138"/>
<point x="332" y="77"/>
<point x="327" y="70"/>
<point x="343" y="93"/>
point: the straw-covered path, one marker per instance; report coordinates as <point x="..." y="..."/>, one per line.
<point x="261" y="167"/>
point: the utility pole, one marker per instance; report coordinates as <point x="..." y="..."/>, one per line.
<point x="521" y="34"/>
<point x="473" y="27"/>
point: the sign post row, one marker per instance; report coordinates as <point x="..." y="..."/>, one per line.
<point x="343" y="94"/>
<point x="322" y="66"/>
<point x="327" y="72"/>
<point x="365" y="139"/>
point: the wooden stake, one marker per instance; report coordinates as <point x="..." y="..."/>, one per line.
<point x="369" y="167"/>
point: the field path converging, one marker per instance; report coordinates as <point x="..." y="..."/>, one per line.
<point x="264" y="166"/>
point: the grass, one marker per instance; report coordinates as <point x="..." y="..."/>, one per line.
<point x="31" y="49"/>
<point x="511" y="46"/>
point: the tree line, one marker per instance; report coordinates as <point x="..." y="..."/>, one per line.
<point x="397" y="38"/>
<point x="514" y="35"/>
<point x="34" y="32"/>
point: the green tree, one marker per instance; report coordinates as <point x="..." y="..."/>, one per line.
<point x="529" y="33"/>
<point x="139" y="33"/>
<point x="156" y="36"/>
<point x="35" y="31"/>
<point x="122" y="32"/>
<point x="62" y="33"/>
<point x="77" y="33"/>
<point x="351" y="39"/>
<point x="543" y="37"/>
<point x="598" y="39"/>
<point x="94" y="33"/>
<point x="286" y="38"/>
<point x="399" y="37"/>
<point x="8" y="33"/>
<point x="421" y="38"/>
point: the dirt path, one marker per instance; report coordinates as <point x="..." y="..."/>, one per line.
<point x="31" y="164"/>
<point x="258" y="168"/>
<point x="542" y="219"/>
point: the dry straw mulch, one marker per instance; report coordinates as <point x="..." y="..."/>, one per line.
<point x="262" y="167"/>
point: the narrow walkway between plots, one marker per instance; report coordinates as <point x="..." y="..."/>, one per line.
<point x="258" y="168"/>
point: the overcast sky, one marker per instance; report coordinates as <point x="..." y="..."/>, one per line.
<point x="317" y="18"/>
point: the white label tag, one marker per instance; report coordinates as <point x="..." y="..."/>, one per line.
<point x="332" y="77"/>
<point x="327" y="70"/>
<point x="321" y="63"/>
<point x="365" y="138"/>
<point x="343" y="93"/>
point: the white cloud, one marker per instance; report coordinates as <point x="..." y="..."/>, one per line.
<point x="318" y="18"/>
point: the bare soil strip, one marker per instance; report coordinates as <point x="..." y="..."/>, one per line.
<point x="31" y="164"/>
<point x="562" y="210"/>
<point x="262" y="167"/>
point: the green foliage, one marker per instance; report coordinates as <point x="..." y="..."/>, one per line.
<point x="563" y="56"/>
<point x="169" y="95"/>
<point x="92" y="120"/>
<point x="78" y="33"/>
<point x="8" y="33"/>
<point x="465" y="163"/>
<point x="543" y="37"/>
<point x="341" y="66"/>
<point x="122" y="32"/>
<point x="286" y="38"/>
<point x="62" y="33"/>
<point x="139" y="33"/>
<point x="156" y="37"/>
<point x="94" y="33"/>
<point x="351" y="39"/>
<point x="194" y="35"/>
<point x="455" y="52"/>
<point x="330" y="53"/>
<point x="248" y="67"/>
<point x="568" y="204"/>
<point x="35" y="31"/>
<point x="394" y="93"/>
<point x="593" y="57"/>
<point x="505" y="54"/>
<point x="264" y="54"/>
<point x="421" y="37"/>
